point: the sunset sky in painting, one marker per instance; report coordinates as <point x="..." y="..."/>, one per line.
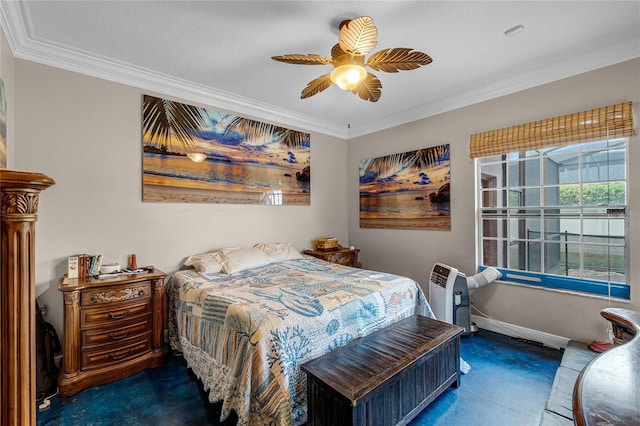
<point x="404" y="178"/>
<point x="211" y="140"/>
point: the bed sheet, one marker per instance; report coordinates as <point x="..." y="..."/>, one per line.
<point x="245" y="335"/>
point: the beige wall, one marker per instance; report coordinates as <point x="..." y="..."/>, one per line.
<point x="6" y="74"/>
<point x="413" y="253"/>
<point x="86" y="134"/>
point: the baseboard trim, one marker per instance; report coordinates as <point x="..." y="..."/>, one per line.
<point x="512" y="330"/>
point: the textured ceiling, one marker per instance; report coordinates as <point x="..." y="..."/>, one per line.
<point x="217" y="53"/>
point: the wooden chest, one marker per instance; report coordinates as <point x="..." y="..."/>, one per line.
<point x="385" y="378"/>
<point x="112" y="328"/>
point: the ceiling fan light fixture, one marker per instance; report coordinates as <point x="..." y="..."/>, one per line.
<point x="357" y="37"/>
<point x="348" y="76"/>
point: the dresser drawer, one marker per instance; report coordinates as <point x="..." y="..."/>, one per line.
<point x="115" y="354"/>
<point x="113" y="294"/>
<point x="115" y="315"/>
<point x="125" y="333"/>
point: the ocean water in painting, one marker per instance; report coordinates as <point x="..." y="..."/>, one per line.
<point x="410" y="204"/>
<point x="223" y="174"/>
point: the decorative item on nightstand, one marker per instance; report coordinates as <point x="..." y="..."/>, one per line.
<point x="113" y="328"/>
<point x="325" y="243"/>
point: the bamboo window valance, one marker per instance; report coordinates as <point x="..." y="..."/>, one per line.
<point x="610" y="122"/>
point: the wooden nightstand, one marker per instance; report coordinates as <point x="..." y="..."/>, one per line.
<point x="113" y="328"/>
<point x="342" y="255"/>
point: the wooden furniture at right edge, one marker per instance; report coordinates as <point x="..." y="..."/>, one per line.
<point x="607" y="391"/>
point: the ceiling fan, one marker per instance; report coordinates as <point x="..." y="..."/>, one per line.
<point x="357" y="38"/>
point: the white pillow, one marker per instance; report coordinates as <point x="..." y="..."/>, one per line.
<point x="242" y="258"/>
<point x="205" y="263"/>
<point x="279" y="251"/>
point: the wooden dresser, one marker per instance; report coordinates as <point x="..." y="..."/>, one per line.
<point x="113" y="328"/>
<point x="342" y="255"/>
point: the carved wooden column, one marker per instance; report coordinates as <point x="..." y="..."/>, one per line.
<point x="157" y="332"/>
<point x="71" y="341"/>
<point x="19" y="192"/>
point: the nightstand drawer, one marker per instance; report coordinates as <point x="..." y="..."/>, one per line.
<point x="115" y="315"/>
<point x="100" y="336"/>
<point x="342" y="256"/>
<point x="115" y="354"/>
<point x="115" y="294"/>
<point x="346" y="259"/>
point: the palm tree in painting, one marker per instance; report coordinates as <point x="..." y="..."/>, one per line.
<point x="251" y="129"/>
<point x="163" y="119"/>
<point x="418" y="159"/>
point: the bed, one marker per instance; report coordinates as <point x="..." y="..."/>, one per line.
<point x="246" y="318"/>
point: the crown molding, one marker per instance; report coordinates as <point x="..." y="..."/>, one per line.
<point x="11" y="21"/>
<point x="564" y="67"/>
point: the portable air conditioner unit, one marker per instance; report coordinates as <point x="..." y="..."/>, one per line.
<point x="449" y="296"/>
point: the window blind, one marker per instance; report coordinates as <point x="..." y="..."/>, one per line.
<point x="608" y="122"/>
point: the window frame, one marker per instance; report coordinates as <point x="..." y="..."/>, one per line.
<point x="541" y="279"/>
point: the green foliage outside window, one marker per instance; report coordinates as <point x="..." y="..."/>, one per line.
<point x="596" y="194"/>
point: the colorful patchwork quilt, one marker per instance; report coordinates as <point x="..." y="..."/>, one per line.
<point x="245" y="335"/>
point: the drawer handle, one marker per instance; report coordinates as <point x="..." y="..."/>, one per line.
<point x="122" y="336"/>
<point x="115" y="358"/>
<point x="141" y="292"/>
<point x="119" y="316"/>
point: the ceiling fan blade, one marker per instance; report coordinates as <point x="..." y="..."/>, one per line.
<point x="358" y="36"/>
<point x="370" y="89"/>
<point x="336" y="51"/>
<point x="300" y="59"/>
<point x="316" y="86"/>
<point x="398" y="59"/>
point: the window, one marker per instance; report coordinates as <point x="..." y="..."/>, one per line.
<point x="554" y="214"/>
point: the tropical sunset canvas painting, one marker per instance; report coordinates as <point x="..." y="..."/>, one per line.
<point x="409" y="190"/>
<point x="197" y="155"/>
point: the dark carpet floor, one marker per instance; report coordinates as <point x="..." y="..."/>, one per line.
<point x="508" y="384"/>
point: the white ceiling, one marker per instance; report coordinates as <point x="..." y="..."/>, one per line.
<point x="218" y="53"/>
